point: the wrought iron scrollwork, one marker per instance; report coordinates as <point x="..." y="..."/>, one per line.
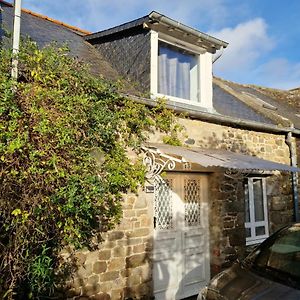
<point x="155" y="165"/>
<point x="236" y="174"/>
<point x="156" y="162"/>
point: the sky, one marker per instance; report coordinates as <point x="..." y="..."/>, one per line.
<point x="263" y="35"/>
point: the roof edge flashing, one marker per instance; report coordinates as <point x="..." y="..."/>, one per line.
<point x="155" y="18"/>
<point x="216" y="43"/>
<point x="6" y="3"/>
<point x="118" y="28"/>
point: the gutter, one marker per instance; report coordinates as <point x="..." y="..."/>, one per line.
<point x="218" y="56"/>
<point x="195" y="113"/>
<point x="217" y="43"/>
<point x="294" y="177"/>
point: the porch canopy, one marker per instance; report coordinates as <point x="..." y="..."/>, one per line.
<point x="215" y="158"/>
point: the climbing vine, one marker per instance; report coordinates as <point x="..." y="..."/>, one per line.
<point x="64" y="139"/>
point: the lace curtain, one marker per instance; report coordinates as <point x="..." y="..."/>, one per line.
<point x="174" y="71"/>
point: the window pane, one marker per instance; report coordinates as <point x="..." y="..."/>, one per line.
<point x="248" y="232"/>
<point x="247" y="210"/>
<point x="258" y="200"/>
<point x="176" y="71"/>
<point x="260" y="230"/>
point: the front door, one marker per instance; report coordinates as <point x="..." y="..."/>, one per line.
<point x="181" y="245"/>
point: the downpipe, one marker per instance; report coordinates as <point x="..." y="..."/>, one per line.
<point x="293" y="159"/>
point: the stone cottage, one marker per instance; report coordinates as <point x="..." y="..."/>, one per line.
<point x="229" y="186"/>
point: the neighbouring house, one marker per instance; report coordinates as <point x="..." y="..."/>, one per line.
<point x="231" y="185"/>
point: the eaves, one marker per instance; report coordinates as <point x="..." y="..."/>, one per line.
<point x="194" y="112"/>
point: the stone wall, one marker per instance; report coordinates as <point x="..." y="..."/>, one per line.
<point x="121" y="268"/>
<point x="227" y="233"/>
<point x="227" y="217"/>
<point x="206" y="135"/>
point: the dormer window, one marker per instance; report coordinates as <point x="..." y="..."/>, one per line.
<point x="178" y="72"/>
<point x="163" y="58"/>
<point x="181" y="72"/>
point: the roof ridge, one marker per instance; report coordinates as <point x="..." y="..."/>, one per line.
<point x="6" y="3"/>
<point x="55" y="21"/>
<point x="251" y="85"/>
<point x="79" y="30"/>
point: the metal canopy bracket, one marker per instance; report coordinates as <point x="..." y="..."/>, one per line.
<point x="156" y="161"/>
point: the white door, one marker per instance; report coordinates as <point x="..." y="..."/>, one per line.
<point x="181" y="245"/>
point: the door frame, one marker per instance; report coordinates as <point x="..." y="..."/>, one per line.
<point x="179" y="178"/>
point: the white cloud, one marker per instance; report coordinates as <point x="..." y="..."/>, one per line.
<point x="247" y="43"/>
<point x="279" y="73"/>
<point x="247" y="59"/>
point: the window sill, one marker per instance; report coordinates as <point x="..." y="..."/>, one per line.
<point x="251" y="242"/>
<point x="183" y="103"/>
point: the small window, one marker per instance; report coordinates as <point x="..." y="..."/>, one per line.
<point x="256" y="213"/>
<point x="177" y="72"/>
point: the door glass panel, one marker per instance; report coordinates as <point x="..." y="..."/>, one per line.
<point x="192" y="202"/>
<point x="163" y="204"/>
<point x="258" y="200"/>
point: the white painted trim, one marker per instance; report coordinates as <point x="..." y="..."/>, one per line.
<point x="176" y="99"/>
<point x="255" y="242"/>
<point x="265" y="203"/>
<point x="252" y="225"/>
<point x="205" y="81"/>
<point x="204" y="71"/>
<point x="153" y="62"/>
<point x="180" y="44"/>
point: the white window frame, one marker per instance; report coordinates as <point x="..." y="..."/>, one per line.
<point x="252" y="225"/>
<point x="204" y="76"/>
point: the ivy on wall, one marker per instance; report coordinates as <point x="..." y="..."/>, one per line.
<point x="64" y="136"/>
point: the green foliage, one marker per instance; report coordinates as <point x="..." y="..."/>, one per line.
<point x="64" y="136"/>
<point x="41" y="272"/>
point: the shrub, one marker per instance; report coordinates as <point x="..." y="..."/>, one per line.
<point x="64" y="136"/>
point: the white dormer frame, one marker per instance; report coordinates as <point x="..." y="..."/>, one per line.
<point x="204" y="93"/>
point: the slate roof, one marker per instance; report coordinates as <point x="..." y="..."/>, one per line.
<point x="287" y="101"/>
<point x="230" y="105"/>
<point x="281" y="107"/>
<point x="44" y="30"/>
<point x="234" y="101"/>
